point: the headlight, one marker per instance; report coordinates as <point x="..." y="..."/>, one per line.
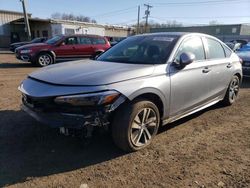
<point x="25" y="51"/>
<point x="91" y="99"/>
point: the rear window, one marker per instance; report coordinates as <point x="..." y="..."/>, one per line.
<point x="98" y="41"/>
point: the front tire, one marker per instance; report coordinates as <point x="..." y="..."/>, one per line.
<point x="135" y="125"/>
<point x="232" y="91"/>
<point x="44" y="59"/>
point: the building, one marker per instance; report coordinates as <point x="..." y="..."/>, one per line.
<point x="12" y="28"/>
<point x="224" y="32"/>
<point x="6" y="35"/>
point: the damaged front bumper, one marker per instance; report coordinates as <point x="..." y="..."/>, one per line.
<point x="95" y="117"/>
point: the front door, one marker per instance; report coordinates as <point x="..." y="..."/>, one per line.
<point x="67" y="49"/>
<point x="189" y="85"/>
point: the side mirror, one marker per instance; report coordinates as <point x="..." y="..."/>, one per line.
<point x="185" y="59"/>
<point x="96" y="55"/>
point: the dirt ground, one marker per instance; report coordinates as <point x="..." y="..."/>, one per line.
<point x="208" y="149"/>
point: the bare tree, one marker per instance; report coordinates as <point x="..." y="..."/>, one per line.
<point x="72" y="17"/>
<point x="153" y="24"/>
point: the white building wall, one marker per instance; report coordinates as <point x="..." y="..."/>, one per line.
<point x="60" y="28"/>
<point x="56" y="29"/>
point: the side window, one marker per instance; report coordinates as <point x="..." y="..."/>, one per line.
<point x="228" y="52"/>
<point x="84" y="40"/>
<point x="215" y="50"/>
<point x="192" y="45"/>
<point x="98" y="41"/>
<point x="70" y="41"/>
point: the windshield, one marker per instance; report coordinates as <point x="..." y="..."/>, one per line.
<point x="141" y="50"/>
<point x="54" y="40"/>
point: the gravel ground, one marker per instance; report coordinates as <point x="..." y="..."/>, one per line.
<point x="208" y="149"/>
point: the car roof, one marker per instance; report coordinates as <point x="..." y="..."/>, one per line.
<point x="82" y="35"/>
<point x="177" y="34"/>
<point x="165" y="33"/>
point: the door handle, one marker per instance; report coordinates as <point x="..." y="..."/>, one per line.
<point x="206" y="70"/>
<point x="229" y="65"/>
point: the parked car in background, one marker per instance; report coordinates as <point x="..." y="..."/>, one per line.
<point x="245" y="47"/>
<point x="114" y="40"/>
<point x="139" y="84"/>
<point x="62" y="47"/>
<point x="15" y="45"/>
<point x="244" y="54"/>
<point x="233" y="46"/>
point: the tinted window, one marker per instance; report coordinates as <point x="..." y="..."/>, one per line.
<point x="192" y="45"/>
<point x="141" y="50"/>
<point x="70" y="41"/>
<point x="98" y="41"/>
<point x="84" y="40"/>
<point x="215" y="50"/>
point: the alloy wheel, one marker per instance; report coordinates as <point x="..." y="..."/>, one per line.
<point x="44" y="60"/>
<point x="143" y="127"/>
<point x="234" y="89"/>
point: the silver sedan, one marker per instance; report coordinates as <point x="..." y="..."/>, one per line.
<point x="134" y="87"/>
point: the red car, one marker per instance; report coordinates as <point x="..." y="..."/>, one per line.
<point x="62" y="47"/>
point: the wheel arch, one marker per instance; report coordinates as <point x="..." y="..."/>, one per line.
<point x="154" y="96"/>
<point x="239" y="76"/>
<point x="50" y="52"/>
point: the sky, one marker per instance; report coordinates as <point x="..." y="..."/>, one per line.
<point x="187" y="12"/>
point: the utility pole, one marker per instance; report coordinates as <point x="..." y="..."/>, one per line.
<point x="147" y="13"/>
<point x="26" y="19"/>
<point x="138" y="21"/>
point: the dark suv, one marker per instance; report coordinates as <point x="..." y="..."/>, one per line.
<point x="62" y="47"/>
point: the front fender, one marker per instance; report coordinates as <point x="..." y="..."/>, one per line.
<point x="158" y="85"/>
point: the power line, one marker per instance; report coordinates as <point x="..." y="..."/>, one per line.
<point x="129" y="11"/>
<point x="126" y="22"/>
<point x="115" y="12"/>
<point x="198" y="2"/>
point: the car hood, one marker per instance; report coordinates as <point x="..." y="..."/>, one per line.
<point x="91" y="73"/>
<point x="20" y="43"/>
<point x="34" y="45"/>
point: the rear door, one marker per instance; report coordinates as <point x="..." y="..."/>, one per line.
<point x="189" y="85"/>
<point x="218" y="58"/>
<point x="67" y="48"/>
<point x="84" y="46"/>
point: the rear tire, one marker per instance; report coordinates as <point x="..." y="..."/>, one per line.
<point x="135" y="125"/>
<point x="44" y="59"/>
<point x="232" y="91"/>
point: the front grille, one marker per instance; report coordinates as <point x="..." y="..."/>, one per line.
<point x="47" y="105"/>
<point x="39" y="104"/>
